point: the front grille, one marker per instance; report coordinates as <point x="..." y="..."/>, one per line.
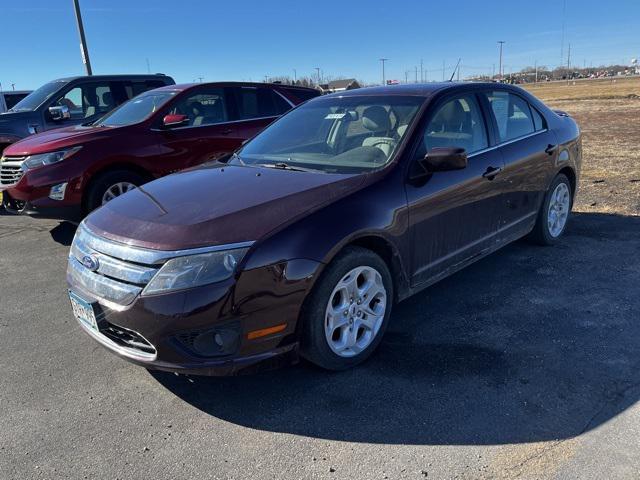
<point x="103" y="270"/>
<point x="11" y="170"/>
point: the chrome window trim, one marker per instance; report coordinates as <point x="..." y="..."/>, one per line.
<point x="230" y="122"/>
<point x="285" y="99"/>
<point x="498" y="145"/>
<point x="142" y="255"/>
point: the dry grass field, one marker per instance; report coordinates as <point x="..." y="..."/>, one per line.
<point x="609" y="115"/>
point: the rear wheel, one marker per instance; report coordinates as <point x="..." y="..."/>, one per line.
<point x="348" y="310"/>
<point x="554" y="213"/>
<point x="111" y="185"/>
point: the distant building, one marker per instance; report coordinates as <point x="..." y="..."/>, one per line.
<point x="340" y="85"/>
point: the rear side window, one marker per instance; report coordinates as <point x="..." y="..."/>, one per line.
<point x="538" y="121"/>
<point x="133" y="89"/>
<point x="11" y="99"/>
<point x="513" y="115"/>
<point x="260" y="102"/>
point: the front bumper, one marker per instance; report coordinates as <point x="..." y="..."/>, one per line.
<point x="42" y="208"/>
<point x="172" y="324"/>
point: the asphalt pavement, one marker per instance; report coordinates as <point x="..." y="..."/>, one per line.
<point x="524" y="365"/>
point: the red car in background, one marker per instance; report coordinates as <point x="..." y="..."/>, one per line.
<point x="68" y="172"/>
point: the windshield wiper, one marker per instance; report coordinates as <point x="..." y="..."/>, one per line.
<point x="286" y="166"/>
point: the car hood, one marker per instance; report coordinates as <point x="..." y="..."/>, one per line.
<point x="216" y="204"/>
<point x="52" y="140"/>
<point x="16" y="124"/>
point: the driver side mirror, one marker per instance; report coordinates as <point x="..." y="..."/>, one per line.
<point x="59" y="113"/>
<point x="442" y="159"/>
<point x="174" y="120"/>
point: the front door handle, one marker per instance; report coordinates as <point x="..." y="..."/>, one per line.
<point x="226" y="131"/>
<point x="492" y="172"/>
<point x="550" y="149"/>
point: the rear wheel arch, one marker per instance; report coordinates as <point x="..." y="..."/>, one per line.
<point x="571" y="175"/>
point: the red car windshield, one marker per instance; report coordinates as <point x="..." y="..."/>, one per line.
<point x="136" y="110"/>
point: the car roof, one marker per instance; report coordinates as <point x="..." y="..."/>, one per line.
<point x="416" y="89"/>
<point x="15" y="92"/>
<point x="121" y="76"/>
<point x="187" y="86"/>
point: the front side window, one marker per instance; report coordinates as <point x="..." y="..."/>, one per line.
<point x="88" y="100"/>
<point x="335" y="134"/>
<point x="137" y="109"/>
<point x="206" y="107"/>
<point x="512" y="113"/>
<point x="456" y="123"/>
<point x="12" y="99"/>
<point x="135" y="88"/>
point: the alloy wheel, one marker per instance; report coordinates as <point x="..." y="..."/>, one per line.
<point x="355" y="311"/>
<point x="116" y="190"/>
<point x="558" y="212"/>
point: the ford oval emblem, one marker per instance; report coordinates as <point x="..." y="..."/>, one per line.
<point x="90" y="262"/>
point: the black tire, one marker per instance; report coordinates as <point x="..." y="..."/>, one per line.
<point x="541" y="233"/>
<point x="314" y="345"/>
<point x="102" y="183"/>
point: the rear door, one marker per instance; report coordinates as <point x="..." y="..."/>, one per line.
<point x="206" y="136"/>
<point x="527" y="147"/>
<point x="453" y="214"/>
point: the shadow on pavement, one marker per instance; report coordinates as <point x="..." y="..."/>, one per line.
<point x="529" y="344"/>
<point x="63" y="233"/>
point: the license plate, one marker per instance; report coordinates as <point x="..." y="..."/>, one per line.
<point x="83" y="311"/>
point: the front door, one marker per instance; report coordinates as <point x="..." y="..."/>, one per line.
<point x="453" y="215"/>
<point x="206" y="135"/>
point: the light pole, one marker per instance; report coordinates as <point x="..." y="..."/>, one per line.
<point x="382" y="60"/>
<point x="295" y="76"/>
<point x="83" y="42"/>
<point x="318" y="70"/>
<point x="500" y="42"/>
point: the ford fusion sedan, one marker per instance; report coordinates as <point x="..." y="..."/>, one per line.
<point x="69" y="172"/>
<point x="305" y="239"/>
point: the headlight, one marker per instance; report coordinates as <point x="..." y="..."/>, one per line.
<point x="34" y="161"/>
<point x="195" y="270"/>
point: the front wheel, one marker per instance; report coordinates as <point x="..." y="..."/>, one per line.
<point x="111" y="185"/>
<point x="554" y="213"/>
<point x="347" y="312"/>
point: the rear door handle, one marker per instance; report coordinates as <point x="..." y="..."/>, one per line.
<point x="550" y="149"/>
<point x="492" y="172"/>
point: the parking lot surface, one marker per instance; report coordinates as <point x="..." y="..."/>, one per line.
<point x="523" y="365"/>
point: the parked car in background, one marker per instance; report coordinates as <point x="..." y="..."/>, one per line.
<point x="307" y="236"/>
<point x="9" y="99"/>
<point x="72" y="101"/>
<point x="68" y="172"/>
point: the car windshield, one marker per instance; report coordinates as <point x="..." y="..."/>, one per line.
<point x="37" y="97"/>
<point x="334" y="135"/>
<point x="136" y="110"/>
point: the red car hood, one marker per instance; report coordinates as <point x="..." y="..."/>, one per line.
<point x="57" y="139"/>
<point x="216" y="204"/>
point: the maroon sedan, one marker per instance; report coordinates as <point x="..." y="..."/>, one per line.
<point x="304" y="240"/>
<point x="68" y="172"/>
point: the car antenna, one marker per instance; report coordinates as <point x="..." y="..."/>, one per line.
<point x="454" y="70"/>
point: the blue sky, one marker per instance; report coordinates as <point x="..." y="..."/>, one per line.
<point x="248" y="39"/>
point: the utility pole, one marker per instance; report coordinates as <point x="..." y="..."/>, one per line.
<point x="318" y="70"/>
<point x="148" y="66"/>
<point x="536" y="67"/>
<point x="406" y="76"/>
<point x="83" y="42"/>
<point x="568" y="62"/>
<point x="421" y="72"/>
<point x="295" y="76"/>
<point x="501" y="43"/>
<point x="382" y="60"/>
<point x="416" y="74"/>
